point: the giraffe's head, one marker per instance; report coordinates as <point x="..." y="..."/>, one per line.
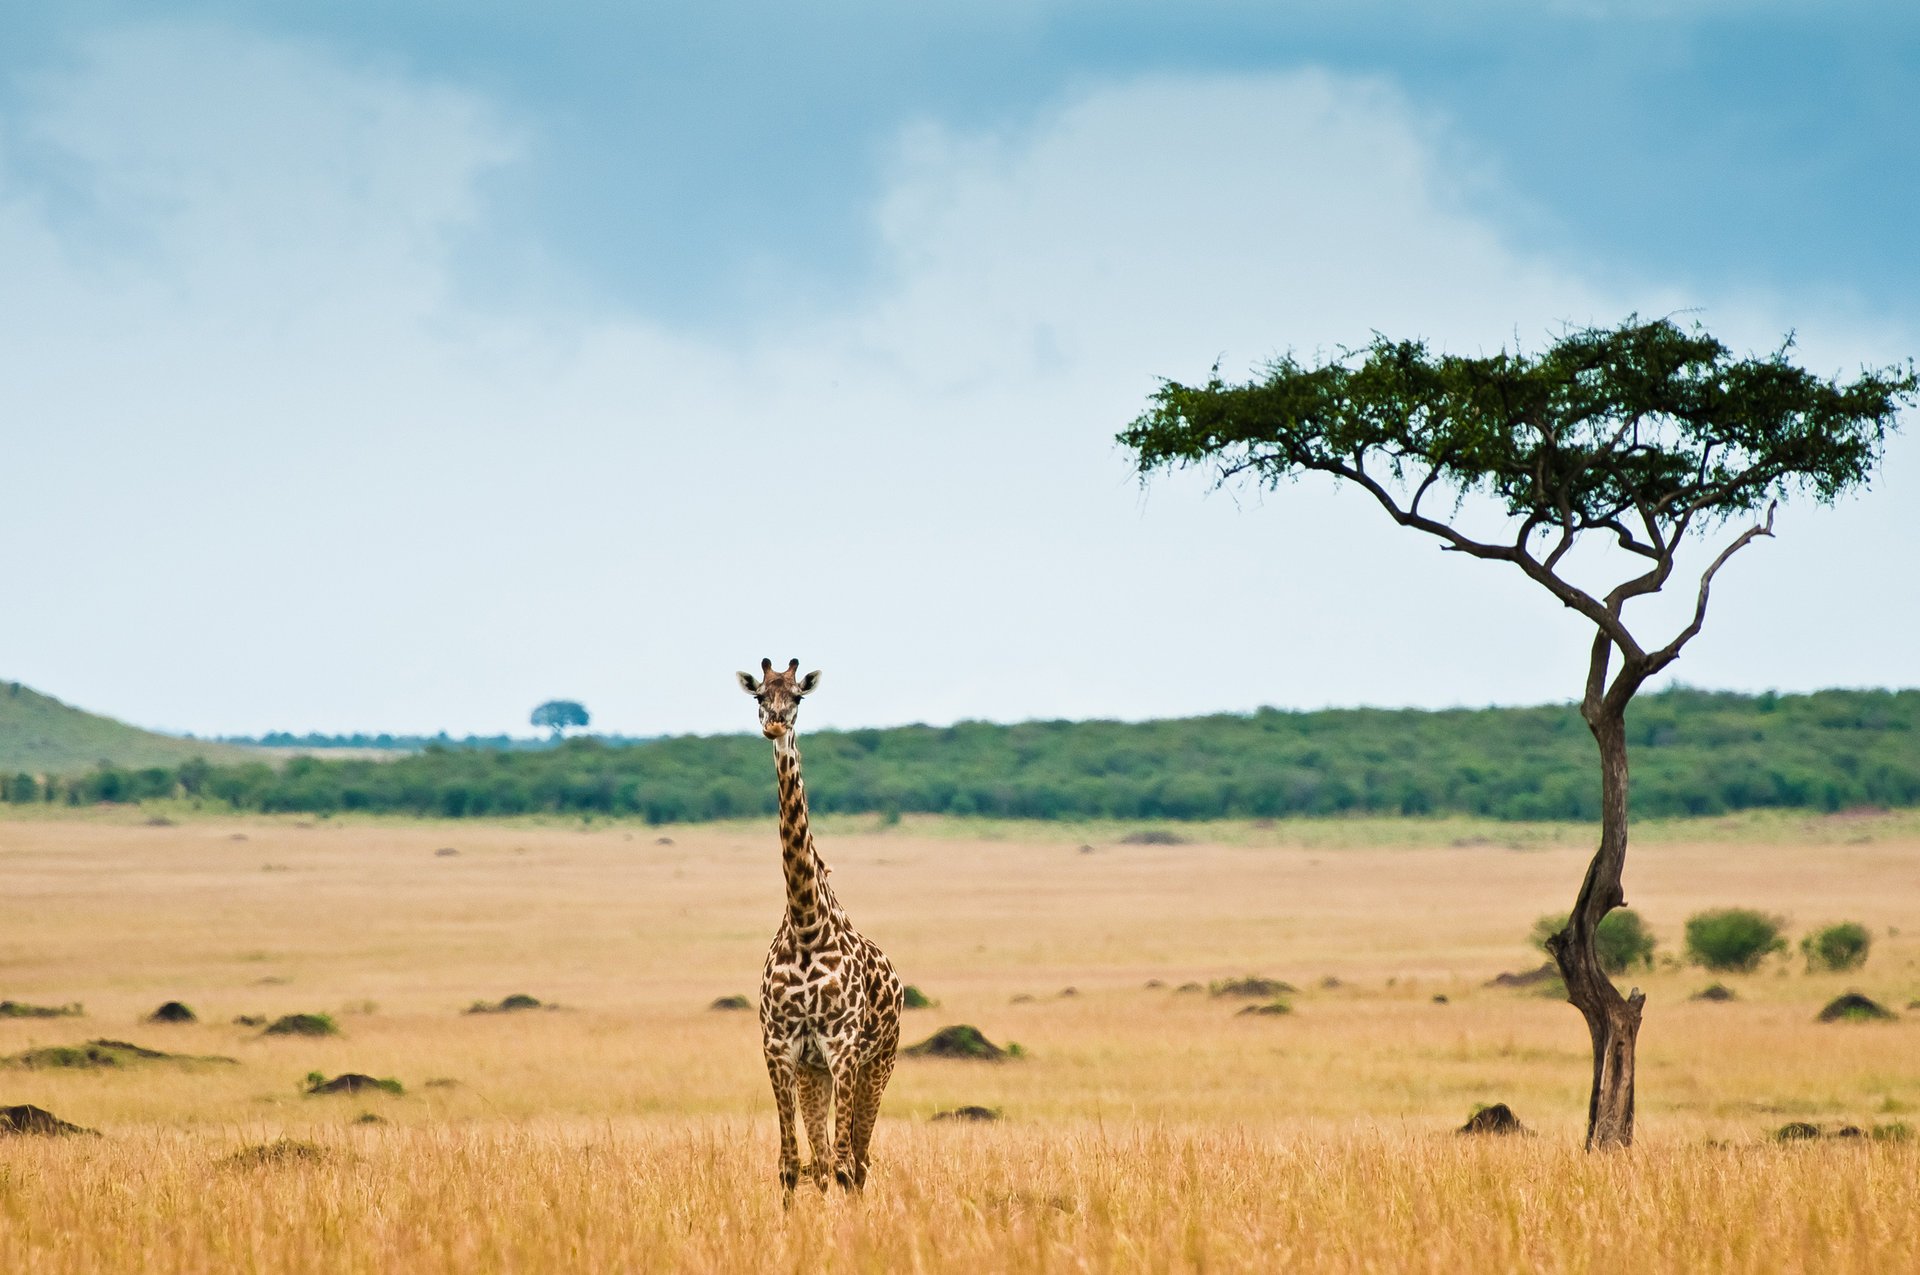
<point x="779" y="692"/>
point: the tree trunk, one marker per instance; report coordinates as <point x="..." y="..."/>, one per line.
<point x="1613" y="1021"/>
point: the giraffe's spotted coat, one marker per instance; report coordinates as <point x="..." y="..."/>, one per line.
<point x="829" y="999"/>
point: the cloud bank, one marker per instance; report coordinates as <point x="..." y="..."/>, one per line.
<point x="282" y="457"/>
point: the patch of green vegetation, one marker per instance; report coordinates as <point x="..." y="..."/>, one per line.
<point x="352" y="1082"/>
<point x="917" y="999"/>
<point x="20" y="1009"/>
<point x="1252" y="985"/>
<point x="303" y="1025"/>
<point x="963" y="1040"/>
<point x="1855" y="1008"/>
<point x="98" y="1054"/>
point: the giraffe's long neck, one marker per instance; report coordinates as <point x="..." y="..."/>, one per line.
<point x="811" y="908"/>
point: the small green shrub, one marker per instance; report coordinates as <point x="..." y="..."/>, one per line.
<point x="1734" y="938"/>
<point x="1622" y="940"/>
<point x="352" y="1082"/>
<point x="303" y="1025"/>
<point x="917" y="999"/>
<point x="1838" y="947"/>
<point x="963" y="1040"/>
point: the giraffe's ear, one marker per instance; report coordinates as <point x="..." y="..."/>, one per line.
<point x="806" y="684"/>
<point x="747" y="683"/>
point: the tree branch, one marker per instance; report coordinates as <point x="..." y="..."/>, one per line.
<point x="1671" y="651"/>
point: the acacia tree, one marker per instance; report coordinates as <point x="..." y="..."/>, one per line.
<point x="1641" y="435"/>
<point x="557" y="715"/>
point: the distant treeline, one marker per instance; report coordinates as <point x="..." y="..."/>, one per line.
<point x="1695" y="753"/>
<point x="385" y="742"/>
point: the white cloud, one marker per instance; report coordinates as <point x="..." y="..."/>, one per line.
<point x="285" y="476"/>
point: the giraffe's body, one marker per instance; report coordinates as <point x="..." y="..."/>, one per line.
<point x="829" y="999"/>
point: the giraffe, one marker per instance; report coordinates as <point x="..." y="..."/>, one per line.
<point x="829" y="999"/>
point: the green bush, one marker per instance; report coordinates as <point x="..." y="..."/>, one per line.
<point x="1838" y="947"/>
<point x="1622" y="940"/>
<point x="1734" y="938"/>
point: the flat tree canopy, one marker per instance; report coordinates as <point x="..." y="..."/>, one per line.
<point x="1640" y="433"/>
<point x="557" y="715"/>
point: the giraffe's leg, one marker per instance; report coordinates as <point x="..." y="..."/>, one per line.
<point x="780" y="1072"/>
<point x="873" y="1083"/>
<point x="882" y="1050"/>
<point x="816" y="1086"/>
<point x="846" y="1072"/>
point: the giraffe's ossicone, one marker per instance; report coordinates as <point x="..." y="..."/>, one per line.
<point x="829" y="999"/>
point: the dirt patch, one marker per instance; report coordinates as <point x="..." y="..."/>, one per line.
<point x="732" y="1004"/>
<point x="1252" y="986"/>
<point x="1713" y="992"/>
<point x="282" y="1151"/>
<point x="1855" y="1008"/>
<point x="36" y="1121"/>
<point x="509" y="1005"/>
<point x="959" y="1041"/>
<point x="1531" y="978"/>
<point x="97" y="1055"/>
<point x="303" y="1025"/>
<point x="1495" y="1120"/>
<point x="1189" y="988"/>
<point x="20" y="1009"/>
<point x="976" y="1114"/>
<point x="352" y="1082"/>
<point x="173" y="1012"/>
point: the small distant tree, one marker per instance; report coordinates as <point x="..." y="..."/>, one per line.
<point x="559" y="716"/>
<point x="1837" y="947"/>
<point x="1638" y="436"/>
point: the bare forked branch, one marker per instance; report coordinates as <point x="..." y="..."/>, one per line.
<point x="1671" y="651"/>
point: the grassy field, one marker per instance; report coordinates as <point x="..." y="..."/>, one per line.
<point x="1144" y="1129"/>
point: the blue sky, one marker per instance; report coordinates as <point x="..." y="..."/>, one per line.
<point x="395" y="366"/>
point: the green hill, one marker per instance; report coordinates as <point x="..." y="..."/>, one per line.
<point x="41" y="736"/>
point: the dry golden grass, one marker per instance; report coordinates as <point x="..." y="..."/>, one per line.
<point x="1145" y="1130"/>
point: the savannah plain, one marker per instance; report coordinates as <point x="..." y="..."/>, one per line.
<point x="1142" y="1129"/>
